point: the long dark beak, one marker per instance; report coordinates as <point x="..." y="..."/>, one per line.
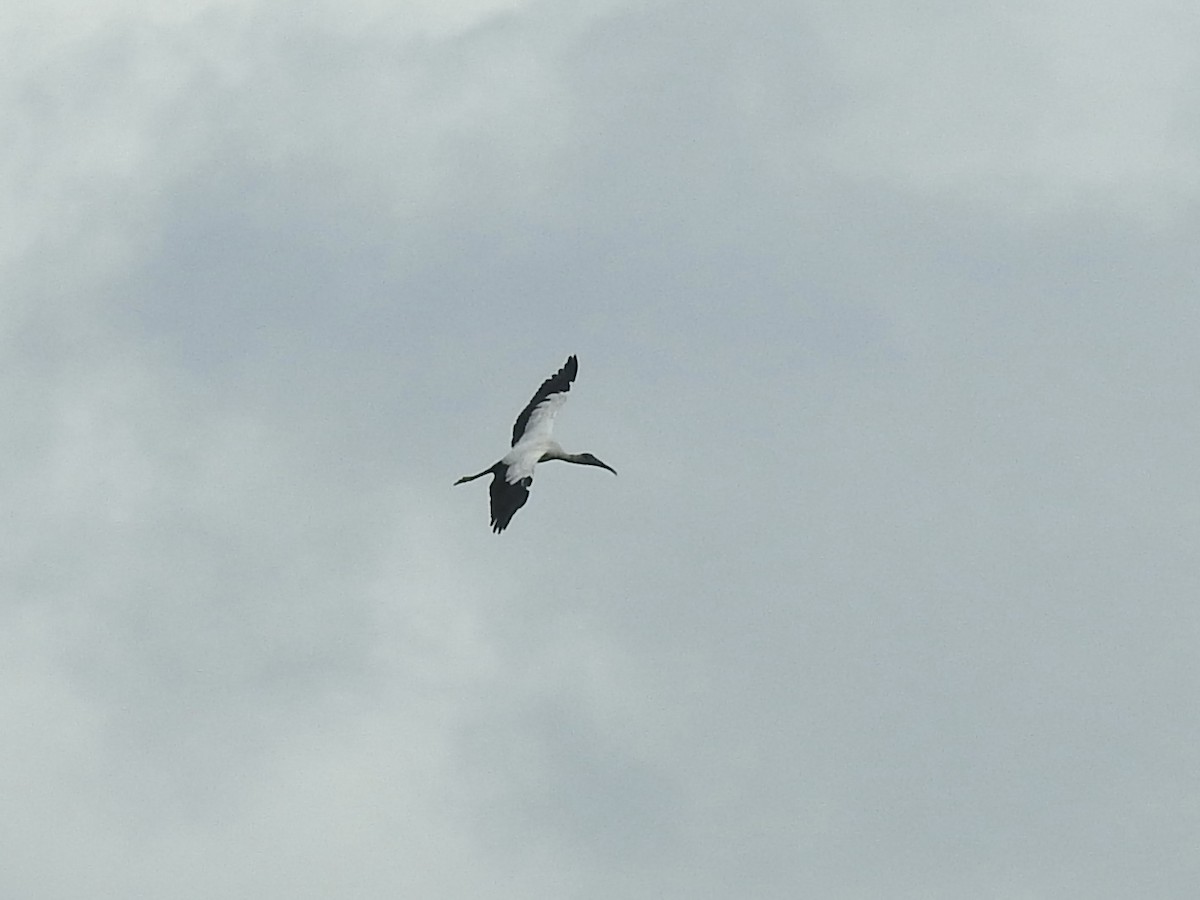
<point x="604" y="465"/>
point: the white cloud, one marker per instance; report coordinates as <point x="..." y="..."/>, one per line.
<point x="1038" y="106"/>
<point x="878" y="318"/>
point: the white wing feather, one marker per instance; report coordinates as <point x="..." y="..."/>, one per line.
<point x="523" y="457"/>
<point x="541" y="420"/>
<point x="521" y="460"/>
<point x="531" y="431"/>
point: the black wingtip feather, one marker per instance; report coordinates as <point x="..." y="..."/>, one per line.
<point x="559" y="382"/>
<point x="506" y="498"/>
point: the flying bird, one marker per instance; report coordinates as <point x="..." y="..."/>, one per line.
<point x="512" y="476"/>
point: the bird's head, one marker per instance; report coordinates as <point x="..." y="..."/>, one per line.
<point x="588" y="459"/>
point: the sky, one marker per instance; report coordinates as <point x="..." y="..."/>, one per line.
<point x="886" y="314"/>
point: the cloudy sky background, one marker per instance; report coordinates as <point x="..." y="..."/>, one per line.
<point x="886" y="315"/>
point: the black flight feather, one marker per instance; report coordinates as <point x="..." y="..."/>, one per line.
<point x="559" y="382"/>
<point x="506" y="498"/>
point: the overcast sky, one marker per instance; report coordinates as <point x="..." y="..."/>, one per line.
<point x="887" y="315"/>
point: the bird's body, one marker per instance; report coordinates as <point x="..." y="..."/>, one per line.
<point x="512" y="476"/>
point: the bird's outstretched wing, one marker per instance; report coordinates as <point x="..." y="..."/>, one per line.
<point x="507" y="497"/>
<point x="537" y="418"/>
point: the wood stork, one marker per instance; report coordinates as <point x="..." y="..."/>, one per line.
<point x="531" y="444"/>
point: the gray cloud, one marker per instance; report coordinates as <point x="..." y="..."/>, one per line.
<point x="883" y="317"/>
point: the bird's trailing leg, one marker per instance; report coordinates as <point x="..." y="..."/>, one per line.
<point x="488" y="471"/>
<point x="506" y="497"/>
